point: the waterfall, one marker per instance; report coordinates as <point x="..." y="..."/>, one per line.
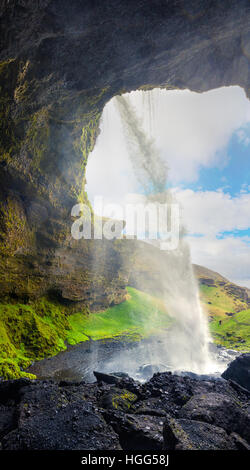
<point x="150" y="169"/>
<point x="186" y="343"/>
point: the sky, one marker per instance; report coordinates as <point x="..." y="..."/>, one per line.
<point x="205" y="141"/>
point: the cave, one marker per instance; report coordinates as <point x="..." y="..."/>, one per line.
<point x="60" y="64"/>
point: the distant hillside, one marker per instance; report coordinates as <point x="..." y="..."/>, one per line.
<point x="226" y="304"/>
<point x="205" y="273"/>
<point x="220" y="296"/>
<point x="228" y="308"/>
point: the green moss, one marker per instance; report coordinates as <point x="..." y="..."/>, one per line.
<point x="123" y="400"/>
<point x="229" y="331"/>
<point x="9" y="369"/>
<point x="180" y="434"/>
<point x="82" y="148"/>
<point x="8" y="141"/>
<point x="30" y="332"/>
<point x="38" y="137"/>
<point x="15" y="234"/>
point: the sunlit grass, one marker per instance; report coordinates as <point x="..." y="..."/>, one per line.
<point x="221" y="302"/>
<point x="139" y="316"/>
<point x="233" y="332"/>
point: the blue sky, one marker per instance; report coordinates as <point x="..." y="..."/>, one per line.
<point x="233" y="175"/>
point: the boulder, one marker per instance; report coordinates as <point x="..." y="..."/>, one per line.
<point x="219" y="410"/>
<point x="185" y="434"/>
<point x="106" y="378"/>
<point x="55" y="418"/>
<point x="141" y="432"/>
<point x="239" y="371"/>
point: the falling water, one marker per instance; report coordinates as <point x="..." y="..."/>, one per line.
<point x="149" y="104"/>
<point x="186" y="342"/>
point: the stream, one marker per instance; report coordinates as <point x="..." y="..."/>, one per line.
<point x="78" y="362"/>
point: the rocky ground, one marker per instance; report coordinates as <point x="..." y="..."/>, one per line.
<point x="116" y="412"/>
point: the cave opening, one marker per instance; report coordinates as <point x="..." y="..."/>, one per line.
<point x="194" y="135"/>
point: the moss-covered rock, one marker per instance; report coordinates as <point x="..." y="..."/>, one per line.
<point x="10" y="370"/>
<point x="118" y="399"/>
<point x="28" y="333"/>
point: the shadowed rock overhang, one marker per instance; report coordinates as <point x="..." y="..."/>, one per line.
<point x="60" y="62"/>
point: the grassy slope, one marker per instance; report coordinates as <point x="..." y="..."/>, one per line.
<point x="31" y="332"/>
<point x="34" y="331"/>
<point x="139" y="316"/>
<point x="233" y="332"/>
<point x="221" y="302"/>
<point x="229" y="331"/>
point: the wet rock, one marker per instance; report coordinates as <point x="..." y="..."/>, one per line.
<point x="122" y="375"/>
<point x="199" y="414"/>
<point x="192" y="375"/>
<point x="184" y="434"/>
<point x="218" y="410"/>
<point x="239" y="371"/>
<point x="53" y="418"/>
<point x="137" y="432"/>
<point x="150" y="411"/>
<point x="10" y="390"/>
<point x="107" y="378"/>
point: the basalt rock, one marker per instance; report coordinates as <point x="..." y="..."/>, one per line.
<point x="184" y="434"/>
<point x="42" y="415"/>
<point x="239" y="371"/>
<point x="53" y="417"/>
<point x="220" y="411"/>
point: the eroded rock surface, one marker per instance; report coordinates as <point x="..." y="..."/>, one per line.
<point x="239" y="371"/>
<point x="168" y="412"/>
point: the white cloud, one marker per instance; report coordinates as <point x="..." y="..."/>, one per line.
<point x="109" y="171"/>
<point x="244" y="136"/>
<point x="214" y="212"/>
<point x="210" y="213"/>
<point x="193" y="130"/>
<point x="228" y="256"/>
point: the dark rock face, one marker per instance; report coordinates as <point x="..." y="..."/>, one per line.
<point x="60" y="62"/>
<point x="168" y="412"/>
<point x="184" y="434"/>
<point x="218" y="410"/>
<point x="142" y="432"/>
<point x="52" y="417"/>
<point x="239" y="371"/>
<point x="7" y="420"/>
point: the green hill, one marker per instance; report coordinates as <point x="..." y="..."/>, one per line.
<point x="228" y="308"/>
